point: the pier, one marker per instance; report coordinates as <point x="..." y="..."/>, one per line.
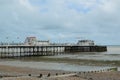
<point x="34" y="47"/>
<point x="24" y="50"/>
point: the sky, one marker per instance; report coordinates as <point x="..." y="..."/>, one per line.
<point x="60" y="20"/>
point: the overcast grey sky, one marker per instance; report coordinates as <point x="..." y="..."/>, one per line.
<point x="61" y="20"/>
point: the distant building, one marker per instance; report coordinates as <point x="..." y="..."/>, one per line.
<point x="34" y="41"/>
<point x="85" y="43"/>
<point x="30" y="40"/>
<point x="42" y="43"/>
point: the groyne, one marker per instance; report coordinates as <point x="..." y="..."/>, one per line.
<point x="82" y="74"/>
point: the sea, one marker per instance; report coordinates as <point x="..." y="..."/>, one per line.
<point x="113" y="54"/>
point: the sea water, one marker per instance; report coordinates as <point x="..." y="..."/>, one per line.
<point x="53" y="66"/>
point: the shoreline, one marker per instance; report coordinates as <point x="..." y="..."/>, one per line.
<point x="24" y="73"/>
<point x="86" y="62"/>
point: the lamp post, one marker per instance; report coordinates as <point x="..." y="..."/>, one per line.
<point x="18" y="40"/>
<point x="7" y="43"/>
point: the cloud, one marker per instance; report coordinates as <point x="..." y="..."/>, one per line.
<point x="61" y="20"/>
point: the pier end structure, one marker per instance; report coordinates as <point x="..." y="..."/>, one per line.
<point x="86" y="46"/>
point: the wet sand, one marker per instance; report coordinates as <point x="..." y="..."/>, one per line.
<point x="25" y="73"/>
